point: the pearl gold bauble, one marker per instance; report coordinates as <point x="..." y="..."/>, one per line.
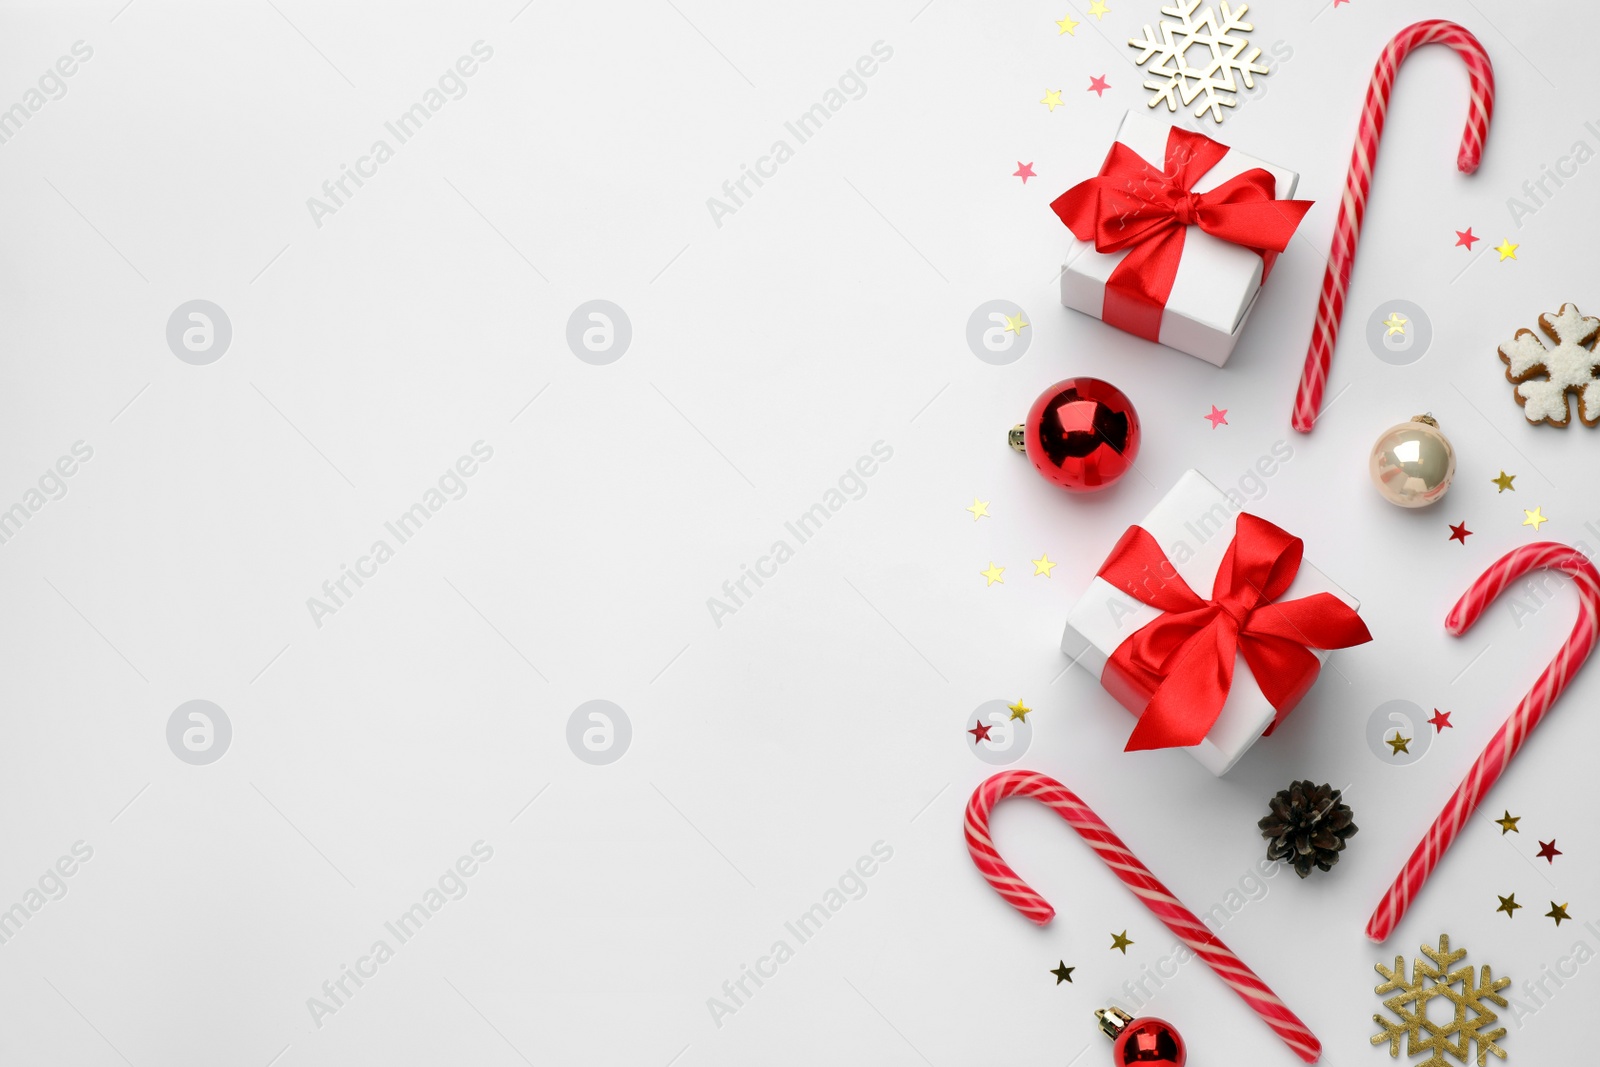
<point x="1412" y="463"/>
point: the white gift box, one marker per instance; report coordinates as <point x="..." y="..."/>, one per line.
<point x="1217" y="282"/>
<point x="1194" y="525"/>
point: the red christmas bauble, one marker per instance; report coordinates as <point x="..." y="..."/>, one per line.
<point x="1149" y="1041"/>
<point x="1082" y="434"/>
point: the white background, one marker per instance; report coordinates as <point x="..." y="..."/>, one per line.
<point x="768" y="354"/>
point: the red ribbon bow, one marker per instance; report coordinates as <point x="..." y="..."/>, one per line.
<point x="1183" y="660"/>
<point x="1132" y="205"/>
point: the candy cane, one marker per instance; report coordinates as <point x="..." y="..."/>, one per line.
<point x="1497" y="756"/>
<point x="1308" y="401"/>
<point x="1190" y="930"/>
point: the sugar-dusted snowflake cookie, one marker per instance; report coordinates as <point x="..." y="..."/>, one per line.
<point x="1571" y="366"/>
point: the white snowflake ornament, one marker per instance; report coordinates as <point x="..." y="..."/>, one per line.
<point x="1569" y="367"/>
<point x="1199" y="57"/>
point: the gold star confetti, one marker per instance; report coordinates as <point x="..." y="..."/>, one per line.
<point x="1120" y="942"/>
<point x="1019" y="710"/>
<point x="1043" y="565"/>
<point x="1504" y="481"/>
<point x="1507" y="250"/>
<point x="979" y="509"/>
<point x="1396" y="323"/>
<point x="1014" y="324"/>
<point x="1067" y="26"/>
<point x="1098" y="9"/>
<point x="1399" y="744"/>
<point x="1052" y="99"/>
<point x="1062" y="972"/>
<point x="1508" y="905"/>
<point x="993" y="574"/>
<point x="1557" y="912"/>
<point x="1535" y="518"/>
<point x="1508" y="824"/>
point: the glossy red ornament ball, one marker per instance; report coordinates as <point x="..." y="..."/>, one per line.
<point x="1149" y="1041"/>
<point x="1082" y="434"/>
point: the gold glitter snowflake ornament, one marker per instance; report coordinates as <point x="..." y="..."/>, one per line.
<point x="1467" y="1019"/>
<point x="1199" y="57"/>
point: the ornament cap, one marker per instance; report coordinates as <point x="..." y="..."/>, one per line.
<point x="1113" y="1021"/>
<point x="1427" y="418"/>
<point x="1017" y="437"/>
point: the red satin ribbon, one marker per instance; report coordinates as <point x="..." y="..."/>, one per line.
<point x="1182" y="662"/>
<point x="1132" y="205"/>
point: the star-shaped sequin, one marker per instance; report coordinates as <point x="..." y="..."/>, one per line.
<point x="1218" y="417"/>
<point x="980" y="732"/>
<point x="1062" y="972"/>
<point x="993" y="574"/>
<point x="1015" y="323"/>
<point x="1508" y="824"/>
<point x="1459" y="532"/>
<point x="1441" y="721"/>
<point x="1052" y="99"/>
<point x="1504" y="482"/>
<point x="979" y="509"/>
<point x="1395" y="324"/>
<point x="1120" y="942"/>
<point x="1507" y="250"/>
<point x="1557" y="912"/>
<point x="1098" y="9"/>
<point x="1019" y="710"/>
<point x="1098" y="86"/>
<point x="1535" y="518"/>
<point x="1067" y="26"/>
<point x="1464" y="239"/>
<point x="1024" y="171"/>
<point x="1399" y="744"/>
<point x="1043" y="565"/>
<point x="1508" y="905"/>
<point x="1548" y="851"/>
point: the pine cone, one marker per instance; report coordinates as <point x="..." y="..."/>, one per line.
<point x="1307" y="827"/>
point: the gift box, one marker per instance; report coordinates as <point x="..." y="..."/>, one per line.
<point x="1206" y="623"/>
<point x="1175" y="236"/>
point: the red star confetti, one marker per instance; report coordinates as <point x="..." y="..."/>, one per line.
<point x="1459" y="532"/>
<point x="1464" y="239"/>
<point x="1336" y="3"/>
<point x="1024" y="171"/>
<point x="1218" y="416"/>
<point x="1440" y="720"/>
<point x="1098" y="86"/>
<point x="979" y="732"/>
<point x="1548" y="851"/>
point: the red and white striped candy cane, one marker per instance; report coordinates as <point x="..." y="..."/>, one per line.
<point x="1358" y="183"/>
<point x="1136" y="875"/>
<point x="1497" y="757"/>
